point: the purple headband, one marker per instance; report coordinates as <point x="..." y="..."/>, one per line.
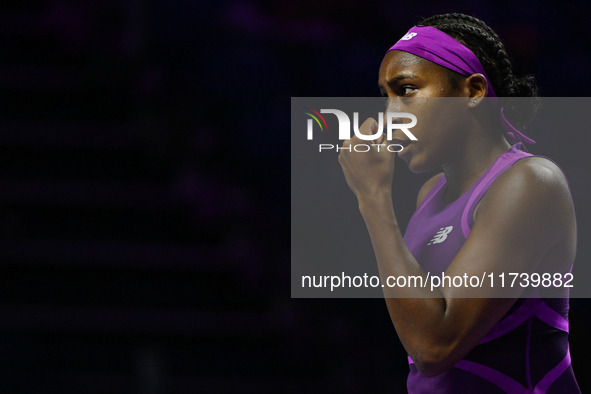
<point x="436" y="46"/>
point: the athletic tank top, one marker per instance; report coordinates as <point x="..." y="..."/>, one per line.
<point x="527" y="350"/>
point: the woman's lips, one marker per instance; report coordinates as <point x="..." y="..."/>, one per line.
<point x="404" y="152"/>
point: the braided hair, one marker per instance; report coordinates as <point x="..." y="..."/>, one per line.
<point x="490" y="51"/>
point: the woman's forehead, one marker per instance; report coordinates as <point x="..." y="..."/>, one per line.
<point x="395" y="60"/>
<point x="404" y="58"/>
<point x="400" y="62"/>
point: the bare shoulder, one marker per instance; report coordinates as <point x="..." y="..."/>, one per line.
<point x="426" y="188"/>
<point x="536" y="177"/>
<point x="534" y="192"/>
<point x="539" y="167"/>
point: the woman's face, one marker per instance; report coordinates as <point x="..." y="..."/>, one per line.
<point x="411" y="83"/>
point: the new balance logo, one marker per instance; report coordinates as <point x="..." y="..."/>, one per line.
<point x="441" y="235"/>
<point x="408" y="36"/>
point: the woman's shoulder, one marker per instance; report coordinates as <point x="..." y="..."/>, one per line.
<point x="531" y="203"/>
<point x="533" y="172"/>
<point x="532" y="184"/>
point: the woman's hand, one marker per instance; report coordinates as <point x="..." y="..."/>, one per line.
<point x="371" y="172"/>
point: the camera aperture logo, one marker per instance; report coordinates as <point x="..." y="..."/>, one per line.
<point x="345" y="128"/>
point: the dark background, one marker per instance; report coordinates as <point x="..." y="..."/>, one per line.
<point x="145" y="195"/>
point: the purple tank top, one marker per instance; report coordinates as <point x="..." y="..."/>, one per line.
<point x="527" y="350"/>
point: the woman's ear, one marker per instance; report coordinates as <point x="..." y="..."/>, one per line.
<point x="477" y="86"/>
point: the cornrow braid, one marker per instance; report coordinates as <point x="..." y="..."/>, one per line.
<point x="490" y="51"/>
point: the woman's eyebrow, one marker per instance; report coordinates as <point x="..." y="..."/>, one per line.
<point x="395" y="79"/>
<point x="399" y="77"/>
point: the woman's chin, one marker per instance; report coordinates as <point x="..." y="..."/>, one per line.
<point x="418" y="166"/>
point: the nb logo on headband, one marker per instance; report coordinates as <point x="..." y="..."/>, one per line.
<point x="408" y="36"/>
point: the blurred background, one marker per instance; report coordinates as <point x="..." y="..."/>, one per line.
<point x="144" y="219"/>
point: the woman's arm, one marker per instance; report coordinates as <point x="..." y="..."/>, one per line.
<point x="526" y="213"/>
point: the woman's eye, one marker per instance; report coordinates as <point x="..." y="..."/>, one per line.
<point x="406" y="90"/>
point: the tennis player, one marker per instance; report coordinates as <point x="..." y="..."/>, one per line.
<point x="493" y="208"/>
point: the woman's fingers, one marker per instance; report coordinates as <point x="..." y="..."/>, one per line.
<point x="367" y="166"/>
